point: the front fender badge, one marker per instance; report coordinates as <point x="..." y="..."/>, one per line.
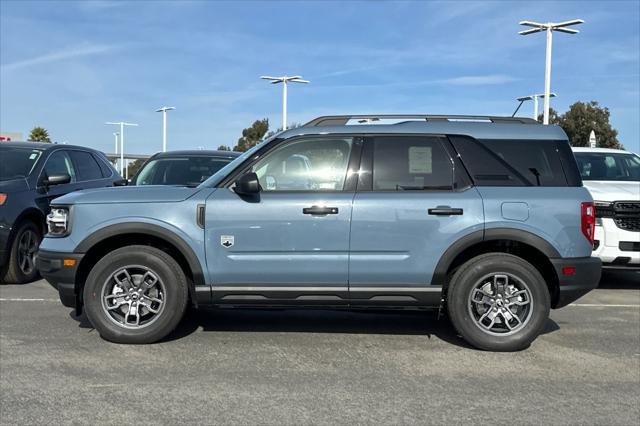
<point x="226" y="241"/>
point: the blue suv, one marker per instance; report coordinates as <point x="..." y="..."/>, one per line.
<point x="485" y="217"/>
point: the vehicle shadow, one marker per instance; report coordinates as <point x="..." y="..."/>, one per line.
<point x="413" y="323"/>
<point x="616" y="279"/>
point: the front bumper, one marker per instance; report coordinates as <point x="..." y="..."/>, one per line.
<point x="62" y="277"/>
<point x="612" y="246"/>
<point x="576" y="277"/>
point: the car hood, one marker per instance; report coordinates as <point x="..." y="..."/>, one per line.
<point x="613" y="190"/>
<point x="13" y="185"/>
<point x="128" y="194"/>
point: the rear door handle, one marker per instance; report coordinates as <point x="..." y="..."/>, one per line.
<point x="445" y="211"/>
<point x="320" y="210"/>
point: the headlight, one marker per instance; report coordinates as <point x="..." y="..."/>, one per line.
<point x="603" y="209"/>
<point x="58" y="221"/>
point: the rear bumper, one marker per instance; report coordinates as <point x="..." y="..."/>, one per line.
<point x="63" y="278"/>
<point x="572" y="286"/>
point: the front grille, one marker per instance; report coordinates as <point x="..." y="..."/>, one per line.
<point x="628" y="223"/>
<point x="627" y="207"/>
<point x="626" y="215"/>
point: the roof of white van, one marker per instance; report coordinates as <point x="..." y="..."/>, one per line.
<point x="584" y="149"/>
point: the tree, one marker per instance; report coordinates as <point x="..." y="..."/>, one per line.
<point x="581" y="119"/>
<point x="224" y="148"/>
<point x="133" y="167"/>
<point x="252" y="135"/>
<point x="39" y="134"/>
<point x="279" y="129"/>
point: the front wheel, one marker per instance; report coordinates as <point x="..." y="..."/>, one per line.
<point x="21" y="266"/>
<point x="498" y="302"/>
<point x="135" y="294"/>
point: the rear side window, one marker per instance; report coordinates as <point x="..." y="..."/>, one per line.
<point x="500" y="162"/>
<point x="87" y="167"/>
<point x="411" y="163"/>
<point x="104" y="168"/>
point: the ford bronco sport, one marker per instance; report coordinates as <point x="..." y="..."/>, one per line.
<point x="485" y="217"/>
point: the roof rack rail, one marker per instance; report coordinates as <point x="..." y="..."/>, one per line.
<point x="341" y="120"/>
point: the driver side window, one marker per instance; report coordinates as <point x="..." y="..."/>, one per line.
<point x="316" y="164"/>
<point x="59" y="163"/>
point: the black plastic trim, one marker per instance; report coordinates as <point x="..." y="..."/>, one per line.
<point x="62" y="278"/>
<point x="153" y="230"/>
<point x="491" y="234"/>
<point x="585" y="278"/>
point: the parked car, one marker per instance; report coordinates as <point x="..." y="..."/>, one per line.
<point x="31" y="175"/>
<point x="613" y="178"/>
<point x="486" y="218"/>
<point x="188" y="168"/>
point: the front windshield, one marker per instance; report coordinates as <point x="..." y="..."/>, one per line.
<point x="17" y="162"/>
<point x="183" y="170"/>
<point x="608" y="166"/>
<point x="220" y="174"/>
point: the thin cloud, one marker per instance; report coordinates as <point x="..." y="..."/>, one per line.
<point x="58" y="55"/>
<point x="479" y="80"/>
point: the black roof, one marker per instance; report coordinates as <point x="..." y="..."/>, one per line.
<point x="42" y="145"/>
<point x="197" y="152"/>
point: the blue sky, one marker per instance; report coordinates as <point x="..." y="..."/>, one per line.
<point x="70" y="66"/>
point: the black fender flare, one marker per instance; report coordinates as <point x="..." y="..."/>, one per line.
<point x="152" y="230"/>
<point x="491" y="234"/>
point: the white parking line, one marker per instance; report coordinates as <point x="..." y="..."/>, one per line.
<point x="601" y="305"/>
<point x="2" y="299"/>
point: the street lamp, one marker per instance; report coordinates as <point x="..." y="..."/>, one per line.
<point x="284" y="80"/>
<point x="549" y="27"/>
<point x="121" y="124"/>
<point x="533" y="98"/>
<point x="115" y="135"/>
<point x="164" y="110"/>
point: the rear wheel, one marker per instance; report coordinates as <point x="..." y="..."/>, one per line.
<point x="21" y="267"/>
<point x="136" y="294"/>
<point x="498" y="302"/>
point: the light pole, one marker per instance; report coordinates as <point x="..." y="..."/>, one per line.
<point x="115" y="135"/>
<point x="549" y="27"/>
<point x="121" y="124"/>
<point x="164" y="110"/>
<point x="533" y="98"/>
<point x="284" y="80"/>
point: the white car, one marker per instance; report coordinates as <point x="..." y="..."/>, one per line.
<point x="613" y="178"/>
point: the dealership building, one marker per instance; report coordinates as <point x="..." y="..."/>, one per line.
<point x="10" y="136"/>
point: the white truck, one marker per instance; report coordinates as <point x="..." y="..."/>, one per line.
<point x="613" y="178"/>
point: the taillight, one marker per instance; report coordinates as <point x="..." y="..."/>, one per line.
<point x="588" y="220"/>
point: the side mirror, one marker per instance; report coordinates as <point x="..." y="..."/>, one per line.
<point x="59" y="179"/>
<point x="121" y="182"/>
<point x="247" y="184"/>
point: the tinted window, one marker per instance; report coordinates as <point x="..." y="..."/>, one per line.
<point x="513" y="162"/>
<point x="189" y="171"/>
<point x="608" y="166"/>
<point x="17" y="162"/>
<point x="59" y="163"/>
<point x="411" y="163"/>
<point x="86" y="166"/>
<point x="104" y="168"/>
<point x="305" y="165"/>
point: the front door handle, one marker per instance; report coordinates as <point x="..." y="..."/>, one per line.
<point x="445" y="211"/>
<point x="320" y="210"/>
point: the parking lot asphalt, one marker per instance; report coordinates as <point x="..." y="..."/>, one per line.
<point x="301" y="367"/>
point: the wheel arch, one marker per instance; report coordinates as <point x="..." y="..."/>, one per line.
<point x="115" y="236"/>
<point x="33" y="214"/>
<point x="524" y="244"/>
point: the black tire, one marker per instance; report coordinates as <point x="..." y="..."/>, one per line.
<point x="461" y="308"/>
<point x="171" y="277"/>
<point x="16" y="271"/>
